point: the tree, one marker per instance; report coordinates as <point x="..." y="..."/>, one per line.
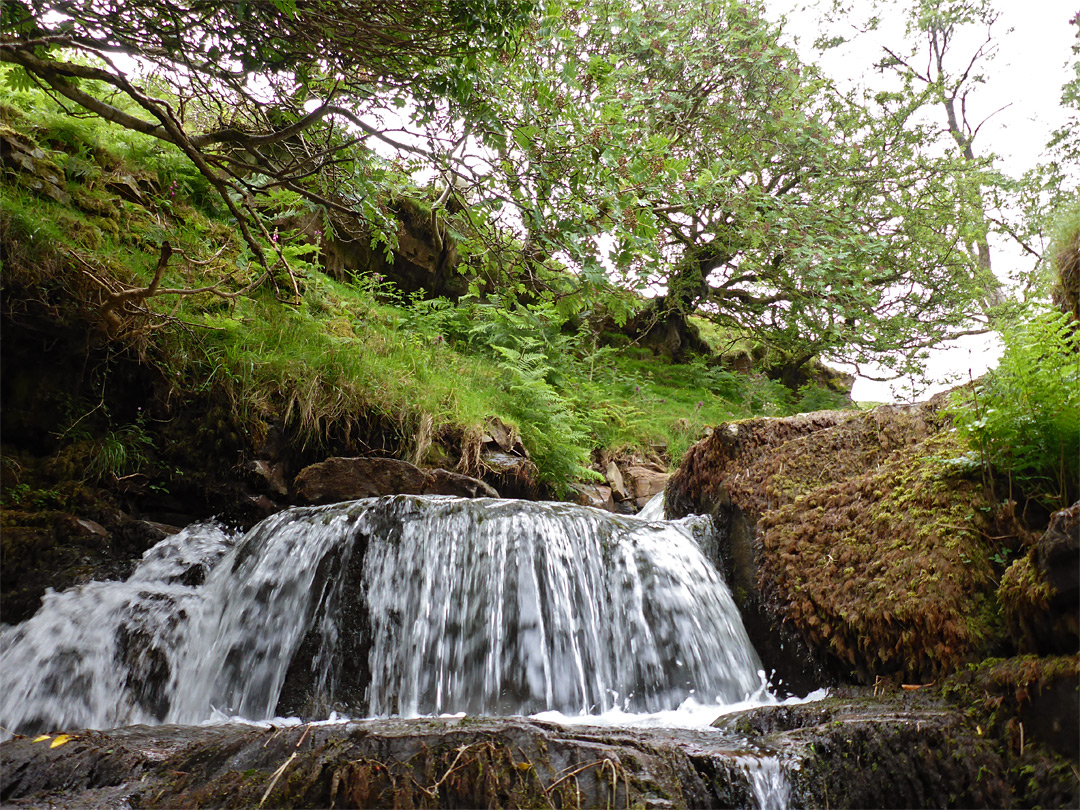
<point x="941" y="66"/>
<point x="682" y="145"/>
<point x="286" y="89"/>
<point x="644" y="145"/>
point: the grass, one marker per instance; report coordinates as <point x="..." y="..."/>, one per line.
<point x="349" y="353"/>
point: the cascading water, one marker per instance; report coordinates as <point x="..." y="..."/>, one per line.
<point x="478" y="606"/>
<point x="99" y="655"/>
<point x="769" y="784"/>
<point x="400" y="605"/>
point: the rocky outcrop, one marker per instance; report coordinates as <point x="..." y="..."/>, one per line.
<point x="346" y="479"/>
<point x="859" y="542"/>
<point x="454" y="762"/>
<point x="897" y="748"/>
<point x="630" y="482"/>
<point x="1041" y="590"/>
<point x="906" y="748"/>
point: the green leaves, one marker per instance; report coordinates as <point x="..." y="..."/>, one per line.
<point x="1024" y="416"/>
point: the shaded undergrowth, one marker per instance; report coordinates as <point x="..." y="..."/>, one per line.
<point x="87" y="212"/>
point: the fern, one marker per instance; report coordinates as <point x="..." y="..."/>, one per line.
<point x="1024" y="416"/>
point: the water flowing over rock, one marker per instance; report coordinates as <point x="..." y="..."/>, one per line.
<point x="101" y="654"/>
<point x="400" y="605"/>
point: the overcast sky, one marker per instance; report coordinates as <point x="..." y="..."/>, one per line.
<point x="1027" y="74"/>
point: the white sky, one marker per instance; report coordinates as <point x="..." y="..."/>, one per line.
<point x="1027" y="73"/>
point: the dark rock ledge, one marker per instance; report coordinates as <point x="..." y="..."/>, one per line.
<point x="859" y="750"/>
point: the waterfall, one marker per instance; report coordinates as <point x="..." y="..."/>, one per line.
<point x="769" y="784"/>
<point x="399" y="605"/>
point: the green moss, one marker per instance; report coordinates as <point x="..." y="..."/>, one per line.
<point x="903" y="582"/>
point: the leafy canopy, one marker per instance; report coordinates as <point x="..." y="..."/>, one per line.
<point x="683" y="147"/>
<point x="645" y="144"/>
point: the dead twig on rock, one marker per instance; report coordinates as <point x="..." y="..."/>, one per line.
<point x="275" y="777"/>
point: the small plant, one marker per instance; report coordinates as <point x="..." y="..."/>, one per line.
<point x="1023" y="418"/>
<point x="120" y="452"/>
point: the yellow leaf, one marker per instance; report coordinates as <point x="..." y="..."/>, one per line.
<point x="60" y="740"/>
<point x="42" y="738"/>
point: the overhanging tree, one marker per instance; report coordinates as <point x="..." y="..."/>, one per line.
<point x="717" y="165"/>
<point x="286" y="91"/>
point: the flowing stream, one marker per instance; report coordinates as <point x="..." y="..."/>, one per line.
<point x="402" y="605"/>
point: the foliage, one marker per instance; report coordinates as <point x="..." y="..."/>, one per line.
<point x="935" y="72"/>
<point x="662" y="146"/>
<point x="1023" y="418"/>
<point x="1064" y="252"/>
<point x="684" y="148"/>
<point x="347" y="356"/>
<point x="119" y="452"/>
<point x="257" y="95"/>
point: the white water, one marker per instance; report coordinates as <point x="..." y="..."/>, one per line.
<point x="768" y="782"/>
<point x="91" y="656"/>
<point x="477" y="606"/>
<point x="654" y="509"/>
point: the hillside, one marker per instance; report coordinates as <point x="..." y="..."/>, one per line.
<point x="146" y="381"/>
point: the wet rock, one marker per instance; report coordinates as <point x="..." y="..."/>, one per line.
<point x="467" y="762"/>
<point x="1026" y="700"/>
<point x="345" y="479"/>
<point x="139" y="535"/>
<point x="902" y="750"/>
<point x="513" y="475"/>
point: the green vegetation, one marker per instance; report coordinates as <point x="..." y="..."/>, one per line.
<point x="346" y="353"/>
<point x="679" y="148"/>
<point x="575" y="155"/>
<point x="1023" y="418"/>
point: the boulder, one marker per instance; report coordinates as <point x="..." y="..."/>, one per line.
<point x="444" y="482"/>
<point x="595" y="495"/>
<point x="346" y="479"/>
<point x="858" y="544"/>
<point x="645" y="482"/>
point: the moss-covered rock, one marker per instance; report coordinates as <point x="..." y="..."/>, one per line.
<point x="1031" y="706"/>
<point x="1040" y="590"/>
<point x="864" y="537"/>
<point x="888" y="571"/>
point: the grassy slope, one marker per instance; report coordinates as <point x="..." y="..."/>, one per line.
<point x="346" y="352"/>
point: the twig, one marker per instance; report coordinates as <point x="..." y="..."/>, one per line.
<point x="304" y="735"/>
<point x="573" y="773"/>
<point x="275" y="777"/>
